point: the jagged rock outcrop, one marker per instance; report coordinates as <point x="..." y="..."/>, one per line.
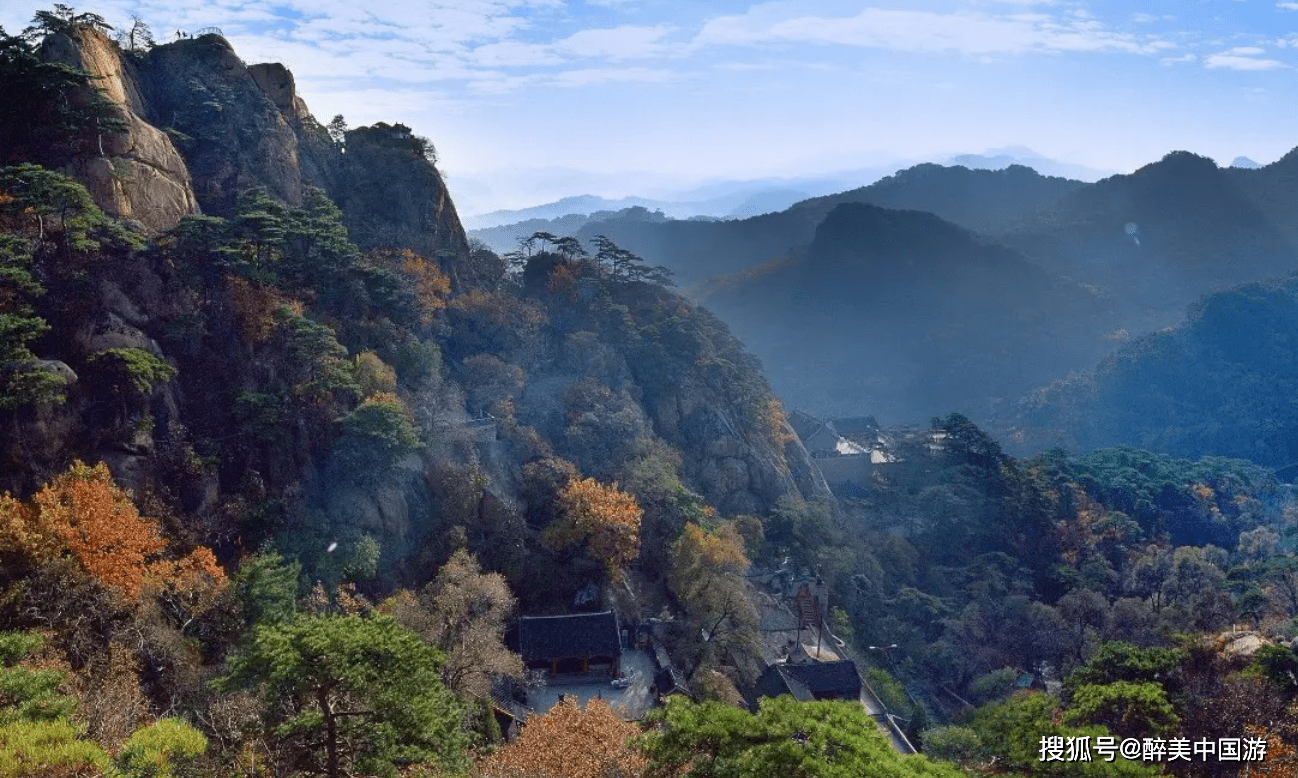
<point x="276" y="81"/>
<point x="137" y="174"/>
<point x="202" y="127"/>
<point x="392" y="197"/>
<point x="395" y="512"/>
<point x="233" y="137"/>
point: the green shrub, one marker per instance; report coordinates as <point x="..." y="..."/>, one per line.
<point x="374" y="437"/>
<point x="953" y="744"/>
<point x="151" y="751"/>
<point x="129" y="371"/>
<point x="40" y="748"/>
<point x="417" y="361"/>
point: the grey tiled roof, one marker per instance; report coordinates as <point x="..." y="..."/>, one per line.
<point x="814" y="681"/>
<point x="827" y="678"/>
<point x="575" y="636"/>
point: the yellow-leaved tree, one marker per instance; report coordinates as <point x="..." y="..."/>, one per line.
<point x="463" y="613"/>
<point x="603" y="517"/>
<point x="707" y="576"/>
<point x="568" y="742"/>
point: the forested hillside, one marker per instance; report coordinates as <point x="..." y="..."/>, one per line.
<point x="283" y="458"/>
<point x="314" y="385"/>
<point x="1114" y="570"/>
<point x="1138" y="248"/>
<point x="1219" y="384"/>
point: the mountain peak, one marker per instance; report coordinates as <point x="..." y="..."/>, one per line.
<point x="1184" y="160"/>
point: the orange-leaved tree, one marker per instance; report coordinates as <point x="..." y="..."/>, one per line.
<point x="431" y="285"/>
<point x="568" y="742"/>
<point x="187" y="587"/>
<point x="100" y="526"/>
<point x="604" y="517"/>
<point x="81" y="513"/>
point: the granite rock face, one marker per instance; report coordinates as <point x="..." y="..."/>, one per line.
<point x="202" y="127"/>
<point x="276" y="82"/>
<point x="137" y="174"/>
<point x="740" y="473"/>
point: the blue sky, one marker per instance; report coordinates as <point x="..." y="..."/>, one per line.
<point x="528" y="100"/>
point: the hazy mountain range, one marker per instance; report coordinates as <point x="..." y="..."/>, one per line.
<point x="892" y="312"/>
<point x="745" y="198"/>
<point x="943" y="288"/>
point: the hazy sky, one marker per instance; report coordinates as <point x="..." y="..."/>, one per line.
<point x="519" y="94"/>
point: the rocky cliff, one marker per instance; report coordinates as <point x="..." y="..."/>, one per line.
<point x="261" y="374"/>
<point x="203" y="126"/>
<point x="138" y="173"/>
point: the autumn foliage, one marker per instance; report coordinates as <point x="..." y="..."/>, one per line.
<point x="568" y="742"/>
<point x="254" y="305"/>
<point x="431" y="285"/>
<point x="463" y="613"/>
<point x="1281" y="757"/>
<point x="707" y="575"/>
<point x="83" y="514"/>
<point x="189" y="585"/>
<point x="100" y="526"/>
<point x="606" y="518"/>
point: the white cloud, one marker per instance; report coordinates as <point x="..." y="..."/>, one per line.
<point x="499" y="83"/>
<point x="923" y="31"/>
<point x="624" y="42"/>
<point x="614" y="43"/>
<point x="748" y="67"/>
<point x="1242" y="58"/>
<point x="1287" y="6"/>
<point x="515" y="54"/>
<point x="1177" y="60"/>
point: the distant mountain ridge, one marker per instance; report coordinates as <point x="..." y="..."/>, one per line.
<point x="1173" y="230"/>
<point x="905" y="315"/>
<point x="745" y="198"/>
<point x="979" y="200"/>
<point x="738" y="204"/>
<point x="998" y="159"/>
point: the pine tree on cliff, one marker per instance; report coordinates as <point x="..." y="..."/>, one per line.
<point x="63" y="19"/>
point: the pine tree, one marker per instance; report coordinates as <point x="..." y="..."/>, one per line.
<point x="355" y="694"/>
